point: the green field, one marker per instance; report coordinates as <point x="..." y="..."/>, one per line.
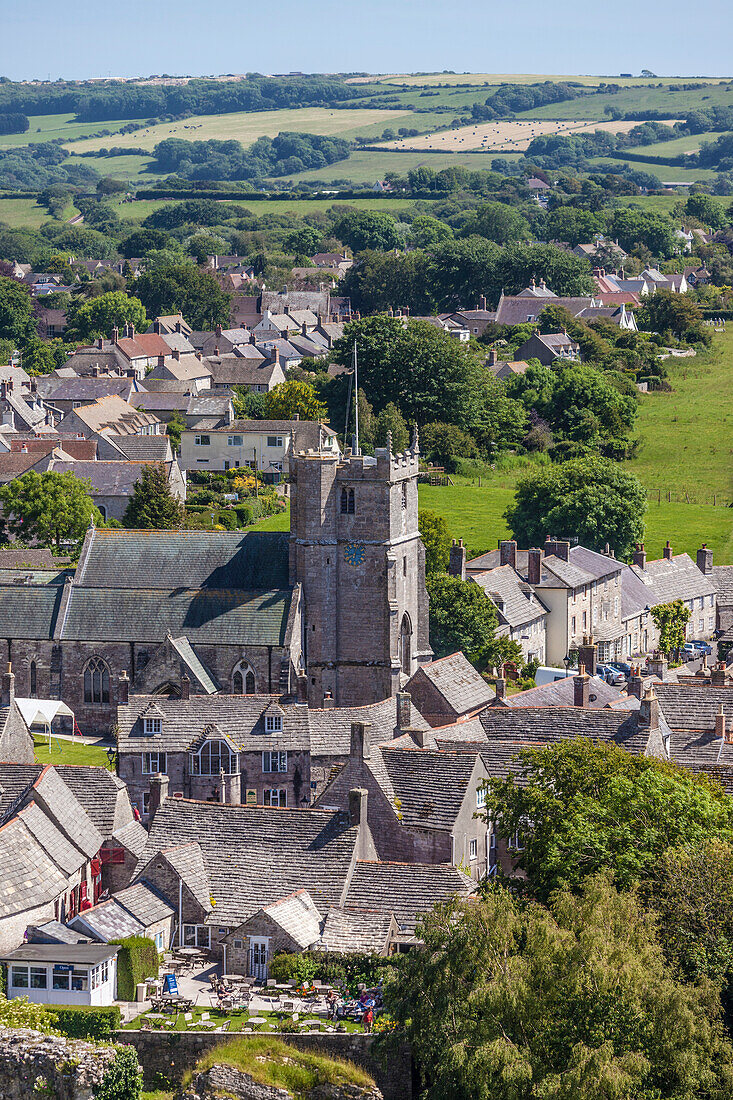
<point x="677" y="103"/>
<point x="51" y="127"/>
<point x="453" y="79"/>
<point x="19" y="213"/>
<point x="132" y="168"/>
<point x="366" y="167"/>
<point x="139" y="209"/>
<point x="69" y="752"/>
<point x="667" y="173"/>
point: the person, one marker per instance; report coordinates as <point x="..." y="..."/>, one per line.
<point x="368" y="1020"/>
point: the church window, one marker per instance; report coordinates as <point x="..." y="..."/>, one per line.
<point x="212" y="758"/>
<point x="347" y="502"/>
<point x="404" y="566"/>
<point x="33" y="680"/>
<point x="273" y="723"/>
<point x="406" y="645"/>
<point x="96" y="681"/>
<point x="243" y="679"/>
<point x="404" y="494"/>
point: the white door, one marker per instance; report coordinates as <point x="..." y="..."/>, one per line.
<point x="258" y="957"/>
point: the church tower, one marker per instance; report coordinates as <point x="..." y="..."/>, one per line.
<point x="355" y="548"/>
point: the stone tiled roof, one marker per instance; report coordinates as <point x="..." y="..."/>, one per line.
<point x="29" y="611"/>
<point x="89" y="389"/>
<point x="360" y="930"/>
<point x="144" y="448"/>
<point x="676" y="578"/>
<point x="30" y="559"/>
<point x="462" y="687"/>
<point x="54" y="932"/>
<point x="115" y="415"/>
<point x="254" y="856"/>
<point x="100" y="792"/>
<point x="29" y="875"/>
<point x="405" y="889"/>
<point x="237" y="717"/>
<point x="506" y="589"/>
<point x="722" y="576"/>
<point x="298" y="917"/>
<point x="67" y="811"/>
<point x="185" y="559"/>
<point x="330" y="730"/>
<point x="144" y="903"/>
<point x="516" y="310"/>
<point x="635" y="596"/>
<point x="58" y="847"/>
<point x="430" y="785"/>
<point x="107" y="921"/>
<point x="694" y="706"/>
<point x="106" y="478"/>
<point x="500" y="758"/>
<point x="132" y="836"/>
<point x="560" y="694"/>
<point x="546" y="725"/>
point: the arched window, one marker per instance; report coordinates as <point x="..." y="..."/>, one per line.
<point x="243" y="679"/>
<point x="404" y="494"/>
<point x="406" y="644"/>
<point x="96" y="681"/>
<point x="33" y="679"/>
<point x="212" y="758"/>
<point x="347" y="502"/>
<point x="103" y="511"/>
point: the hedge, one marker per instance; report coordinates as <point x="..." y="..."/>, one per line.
<point x="350" y="968"/>
<point x="137" y="960"/>
<point x="86" y="1022"/>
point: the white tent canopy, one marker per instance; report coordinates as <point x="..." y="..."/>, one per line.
<point x="41" y="712"/>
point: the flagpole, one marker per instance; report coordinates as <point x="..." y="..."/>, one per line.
<point x="356" y="397"/>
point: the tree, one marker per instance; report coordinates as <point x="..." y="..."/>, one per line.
<point x="248" y="405"/>
<point x="382" y="279"/>
<point x="497" y="222"/>
<point x="508" y="1001"/>
<point x="99" y="316"/>
<point x="707" y="210"/>
<point x="38" y="357"/>
<point x="585" y="807"/>
<point x="461" y="617"/>
<point x="362" y="229"/>
<point x="391" y="420"/>
<point x="49" y="508"/>
<point x="444" y="443"/>
<point x="152" y="504"/>
<point x="677" y="314"/>
<point x="291" y="397"/>
<point x="304" y="241"/>
<point x="173" y="429"/>
<point x="16" y="311"/>
<point x="670" y="620"/>
<point x="435" y="539"/>
<point x="179" y="287"/>
<point x="142" y="241"/>
<point x="426" y="231"/>
<point x="590" y="498"/>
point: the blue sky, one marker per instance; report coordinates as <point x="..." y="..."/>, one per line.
<point x="83" y="38"/>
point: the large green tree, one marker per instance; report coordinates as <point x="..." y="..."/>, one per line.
<point x="48" y="509"/>
<point x="674" y="314"/>
<point x="585" y="807"/>
<point x="592" y="499"/>
<point x="99" y="316"/>
<point x="361" y="229"/>
<point x="435" y="539"/>
<point x="16" y="311"/>
<point x="498" y="222"/>
<point x="461" y="617"/>
<point x="508" y="1001"/>
<point x="291" y="397"/>
<point x="152" y="504"/>
<point x="670" y="620"/>
<point x="173" y="287"/>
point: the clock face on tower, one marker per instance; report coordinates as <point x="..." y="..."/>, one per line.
<point x="354" y="553"/>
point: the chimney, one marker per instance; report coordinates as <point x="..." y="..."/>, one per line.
<point x="161" y="360"/>
<point x="649" y="711"/>
<point x="667" y="552"/>
<point x="275" y="355"/>
<point x="639" y="556"/>
<point x="404" y="711"/>
<point x="158" y="793"/>
<point x="500" y="685"/>
<point x="116" y="334"/>
<point x="3" y="389"/>
<point x="482" y="302"/>
<point x="581" y="688"/>
<point x="559" y="547"/>
<point x="217" y="330"/>
<point x="418" y="736"/>
<point x="157" y="327"/>
<point x="95" y="371"/>
<point x="457" y="560"/>
<point x="358" y="802"/>
<point x="176" y="354"/>
<point x="123" y="689"/>
<point x="328" y="701"/>
<point x="534" y="565"/>
<point x="361" y="740"/>
<point x="185" y="687"/>
<point x="635" y="684"/>
<point x="705" y="559"/>
<point x="588" y="655"/>
<point x="301" y="689"/>
<point x="131" y="330"/>
<point x="100" y="342"/>
<point x="508" y="553"/>
<point x="296" y="416"/>
<point x="492" y="357"/>
<point x="720" y="725"/>
<point x="8" y="687"/>
<point x="658" y="665"/>
<point x="718" y="676"/>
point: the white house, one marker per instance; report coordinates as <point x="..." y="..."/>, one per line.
<point x="63" y="973"/>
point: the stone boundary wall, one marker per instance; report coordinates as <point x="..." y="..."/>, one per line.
<point x="168" y="1054"/>
<point x="39" y="1067"/>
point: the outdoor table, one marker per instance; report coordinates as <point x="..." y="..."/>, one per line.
<point x="189" y="952"/>
<point x="256" y="1020"/>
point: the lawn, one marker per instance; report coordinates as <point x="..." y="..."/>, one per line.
<point x="280" y="522"/>
<point x="140" y="208"/>
<point x="23" y="213"/>
<point x="69" y="752"/>
<point x="52" y="127"/>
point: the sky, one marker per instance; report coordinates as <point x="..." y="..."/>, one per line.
<point x="78" y="39"/>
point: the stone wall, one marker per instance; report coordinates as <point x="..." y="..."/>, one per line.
<point x="167" y="1056"/>
<point x="34" y="1066"/>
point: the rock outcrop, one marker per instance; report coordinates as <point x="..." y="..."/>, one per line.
<point x="34" y="1066"/>
<point x="227" y="1081"/>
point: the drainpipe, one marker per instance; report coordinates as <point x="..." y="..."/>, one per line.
<point x="180" y="912"/>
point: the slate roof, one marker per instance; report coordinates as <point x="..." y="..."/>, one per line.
<point x="722" y="576"/>
<point x="237" y="717"/>
<point x="694" y="706"/>
<point x="28" y="558"/>
<point x="29" y="877"/>
<point x="29" y="611"/>
<point x="234" y="370"/>
<point x="405" y="889"/>
<point x="500" y="758"/>
<point x="57" y="846"/>
<point x="54" y="932"/>
<point x="15" y="463"/>
<point x="706" y="753"/>
<point x="99" y="791"/>
<point x="516" y="310"/>
<point x="218" y="616"/>
<point x="506" y="589"/>
<point x="85" y="953"/>
<point x="144" y="448"/>
<point x="458" y="682"/>
<point x="676" y="578"/>
<point x="144" y="903"/>
<point x="224" y="560"/>
<point x="547" y="725"/>
<point x="90" y="389"/>
<point x="298" y="917"/>
<point x="109" y="479"/>
<point x="107" y="921"/>
<point x="330" y="730"/>
<point x="361" y="930"/>
<point x="67" y="811"/>
<point x="430" y="785"/>
<point x="132" y="836"/>
<point x="254" y="856"/>
<point x="560" y="693"/>
<point x="635" y="596"/>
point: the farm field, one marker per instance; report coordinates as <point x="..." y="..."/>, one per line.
<point x="18" y="213"/>
<point x="667" y="173"/>
<point x="452" y="79"/>
<point x="638" y="99"/>
<point x="139" y="209"/>
<point x="515" y="135"/>
<point x="247" y="126"/>
<point x="52" y="127"/>
<point x="689" y="144"/>
<point x="132" y="168"/>
<point x="366" y="167"/>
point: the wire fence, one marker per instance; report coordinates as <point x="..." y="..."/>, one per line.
<point x="681" y="496"/>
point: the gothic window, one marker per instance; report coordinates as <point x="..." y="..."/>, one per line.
<point x="33" y="680"/>
<point x="406" y="645"/>
<point x="243" y="679"/>
<point x="347" y="502"/>
<point x="404" y="494"/>
<point x="212" y="758"/>
<point x="96" y="681"/>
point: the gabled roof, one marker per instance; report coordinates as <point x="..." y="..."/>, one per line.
<point x="101" y="793"/>
<point x="405" y="889"/>
<point x="513" y="597"/>
<point x="107" y="921"/>
<point x="560" y="693"/>
<point x="29" y="877"/>
<point x="143" y="448"/>
<point x="455" y="678"/>
<point x="196" y="670"/>
<point x="722" y="576"/>
<point x="187" y="860"/>
<point x="60" y="849"/>
<point x="691" y="706"/>
<point x="144" y="903"/>
<point x="675" y="578"/>
<point x="330" y="729"/>
<point x="298" y="917"/>
<point x="547" y="725"/>
<point x="350" y="930"/>
<point x="429" y="785"/>
<point x="114" y="415"/>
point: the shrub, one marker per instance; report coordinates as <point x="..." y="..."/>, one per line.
<point x="86" y="1022"/>
<point x="227" y="517"/>
<point x="137" y="960"/>
<point x="123" y="1080"/>
<point x="351" y="968"/>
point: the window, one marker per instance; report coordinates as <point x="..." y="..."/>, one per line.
<point x="61" y="978"/>
<point x="404" y="495"/>
<point x="347" y="502"/>
<point x="406" y="645"/>
<point x="516" y="842"/>
<point x="152" y="725"/>
<point x="404" y="566"/>
<point x="275" y="796"/>
<point x="274" y="761"/>
<point x="273" y="723"/>
<point x="274" y="441"/>
<point x="33" y="679"/>
<point x="473" y="849"/>
<point x="196" y="935"/>
<point x="243" y="679"/>
<point x="96" y="681"/>
<point x="212" y="758"/>
<point x="160" y="941"/>
<point x="203" y="440"/>
<point x="585" y="620"/>
<point x="481" y="797"/>
<point x="19" y="977"/>
<point x="154" y="762"/>
<point x="234" y="440"/>
<point x="38" y="977"/>
<point x="572" y="625"/>
<point x="80" y="980"/>
<point x="238" y="944"/>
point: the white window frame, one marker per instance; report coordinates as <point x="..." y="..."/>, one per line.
<point x="473" y="849"/>
<point x="481" y="798"/>
<point x="273" y="723"/>
<point x="223" y="750"/>
<point x="274" y="760"/>
<point x="202" y="440"/>
<point x="275" y="796"/>
<point x="235" y="440"/>
<point x="152" y="725"/>
<point x="197" y="935"/>
<point x="275" y="441"/>
<point x="151" y="758"/>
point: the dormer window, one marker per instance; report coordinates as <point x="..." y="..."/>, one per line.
<point x="213" y="758"/>
<point x="152" y="725"/>
<point x="273" y="723"/>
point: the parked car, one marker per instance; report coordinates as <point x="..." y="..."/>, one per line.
<point x="610" y="675"/>
<point x="700" y="646"/>
<point x="690" y="652"/>
<point x="621" y="666"/>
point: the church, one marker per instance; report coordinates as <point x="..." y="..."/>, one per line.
<point x="337" y="611"/>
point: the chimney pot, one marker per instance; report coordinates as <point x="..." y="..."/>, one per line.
<point x="185" y="687"/>
<point x="457" y="560"/>
<point x="361" y="740"/>
<point x="581" y="688"/>
<point x="667" y="552"/>
<point x="534" y="565"/>
<point x="588" y="656"/>
<point x="705" y="559"/>
<point x="639" y="556"/>
<point x="500" y="685"/>
<point x="649" y="711"/>
<point x="123" y="689"/>
<point x="720" y="726"/>
<point x="328" y="701"/>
